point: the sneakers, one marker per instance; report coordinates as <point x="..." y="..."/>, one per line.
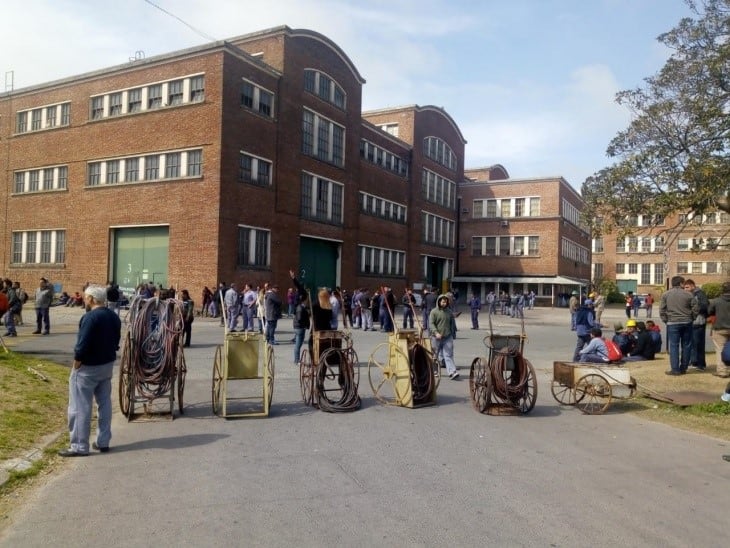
<point x="71" y="453"/>
<point x="725" y="397"/>
<point x="454" y="375"/>
<point x="95" y="447"/>
<point x="670" y="372"/>
<point x="36" y="332"/>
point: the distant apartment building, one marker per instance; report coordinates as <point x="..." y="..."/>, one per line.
<point x="521" y="235"/>
<point x="232" y="161"/>
<point x="696" y="247"/>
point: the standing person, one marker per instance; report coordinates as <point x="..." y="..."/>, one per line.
<point x="336" y="303"/>
<point x="13" y="308"/>
<point x="249" y="307"/>
<point x="636" y="304"/>
<point x="475" y="305"/>
<point x="573" y="305"/>
<point x="599" y="303"/>
<point x="428" y="304"/>
<point x="231" y="301"/>
<point x="387" y="310"/>
<point x="629" y="303"/>
<point x="347" y="305"/>
<point x="649" y="303"/>
<point x="300" y="324"/>
<point x="584" y="322"/>
<point x="720" y="334"/>
<point x="440" y="322"/>
<point x="43" y="298"/>
<point x="272" y="311"/>
<point x="91" y="375"/>
<point x="366" y="310"/>
<point x="217" y="303"/>
<point x="291" y="301"/>
<point x="699" y="326"/>
<point x="678" y="310"/>
<point x="409" y="303"/>
<point x="490" y="303"/>
<point x="188" y="313"/>
<point x="112" y="296"/>
<point x="205" y="298"/>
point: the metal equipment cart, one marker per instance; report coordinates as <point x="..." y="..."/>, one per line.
<point x="152" y="363"/>
<point x="591" y="387"/>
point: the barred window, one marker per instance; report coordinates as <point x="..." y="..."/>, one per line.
<point x="154" y="96"/>
<point x="134" y="100"/>
<point x="197" y="89"/>
<point x="112" y="171"/>
<point x="115" y="104"/>
<point x="175" y="93"/>
<point x="151" y="168"/>
<point x="253" y="247"/>
<point x="172" y="165"/>
<point x="195" y="163"/>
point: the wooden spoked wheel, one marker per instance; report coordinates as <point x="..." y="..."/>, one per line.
<point x="182" y="370"/>
<point x="593" y="394"/>
<point x="382" y="373"/>
<point x="526" y="402"/>
<point x="217" y="389"/>
<point x="125" y="378"/>
<point x="270" y="372"/>
<point x="480" y="384"/>
<point x="563" y="394"/>
<point x="306" y="376"/>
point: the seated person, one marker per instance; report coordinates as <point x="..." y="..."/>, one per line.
<point x="595" y="351"/>
<point x="76" y="300"/>
<point x="644" y="349"/>
<point x="655" y="332"/>
<point x="63" y="299"/>
<point x="626" y="339"/>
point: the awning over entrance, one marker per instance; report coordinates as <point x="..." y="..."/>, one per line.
<point x="558" y="280"/>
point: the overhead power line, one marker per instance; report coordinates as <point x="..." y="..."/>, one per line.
<point x="200" y="32"/>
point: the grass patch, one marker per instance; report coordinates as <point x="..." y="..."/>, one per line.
<point x="34" y="402"/>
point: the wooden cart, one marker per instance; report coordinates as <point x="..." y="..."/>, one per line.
<point x="590" y="386"/>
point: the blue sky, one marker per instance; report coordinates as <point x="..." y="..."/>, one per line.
<point x="531" y="83"/>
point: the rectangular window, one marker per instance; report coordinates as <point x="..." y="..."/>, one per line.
<point x="245" y="168"/>
<point x="195" y="163"/>
<point x="112" y="171"/>
<point x="646" y="246"/>
<point x="534" y="207"/>
<point x="491" y="208"/>
<point x="682" y="268"/>
<point x="519" y="207"/>
<point x="682" y="244"/>
<point x="51" y="116"/>
<point x="17" y="247"/>
<point x="63" y="177"/>
<point x="36" y="119"/>
<point x="266" y="100"/>
<point x="253" y="247"/>
<point x="598" y="245"/>
<point x="97" y="108"/>
<point x="620" y="268"/>
<point x="151" y="168"/>
<point x="46" y="246"/>
<point x="519" y="245"/>
<point x="711" y="268"/>
<point x="94" y="176"/>
<point x="35" y="177"/>
<point x="321" y="199"/>
<point x="247" y="91"/>
<point x="48" y="179"/>
<point x="696" y="268"/>
<point x="504" y="247"/>
<point x="197" y="89"/>
<point x="645" y="274"/>
<point x="308" y="133"/>
<point x="264" y="173"/>
<point x="20" y="182"/>
<point x="505" y="208"/>
<point x="21" y="122"/>
<point x="633" y="268"/>
<point x="154" y="97"/>
<point x="131" y="170"/>
<point x="31" y="253"/>
<point x="172" y="165"/>
<point x="65" y="114"/>
<point x="60" y="247"/>
<point x="534" y="246"/>
<point x="175" y="93"/>
<point x="598" y="271"/>
<point x="134" y="100"/>
<point x="115" y="104"/>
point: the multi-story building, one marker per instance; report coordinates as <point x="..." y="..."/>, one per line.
<point x="521" y="235"/>
<point x="234" y="161"/>
<point x="696" y="247"/>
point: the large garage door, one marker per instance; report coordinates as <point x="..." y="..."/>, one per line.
<point x="318" y="262"/>
<point x="140" y="255"/>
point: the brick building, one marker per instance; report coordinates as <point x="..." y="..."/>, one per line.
<point x="521" y="235"/>
<point x="235" y="161"/>
<point x="693" y="247"/>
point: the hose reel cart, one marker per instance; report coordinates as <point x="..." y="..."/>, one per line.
<point x="152" y="364"/>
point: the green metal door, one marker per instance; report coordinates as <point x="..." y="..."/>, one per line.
<point x="624" y="286"/>
<point x="140" y="255"/>
<point x="318" y="262"/>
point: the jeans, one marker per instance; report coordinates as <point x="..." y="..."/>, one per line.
<point x="41" y="318"/>
<point x="85" y="384"/>
<point x="443" y="348"/>
<point x="298" y="341"/>
<point x="270" y="331"/>
<point x="475" y="318"/>
<point x="232" y="317"/>
<point x="582" y="341"/>
<point x="679" y="338"/>
<point x="697" y="357"/>
<point x="407" y="316"/>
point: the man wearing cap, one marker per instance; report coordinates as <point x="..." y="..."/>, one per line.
<point x="678" y="310"/>
<point x="626" y="338"/>
<point x="584" y="322"/>
<point x="442" y="336"/>
<point x="91" y="374"/>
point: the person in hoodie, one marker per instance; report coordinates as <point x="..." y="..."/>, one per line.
<point x="442" y="337"/>
<point x="720" y="334"/>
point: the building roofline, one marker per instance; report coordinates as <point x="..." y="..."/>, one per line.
<point x="221" y="45"/>
<point x="558" y="179"/>
<point x="418" y="108"/>
<point x="383" y="133"/>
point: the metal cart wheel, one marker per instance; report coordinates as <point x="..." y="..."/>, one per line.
<point x="527" y="400"/>
<point x="594" y="392"/>
<point x="182" y="370"/>
<point x="351" y="357"/>
<point x="382" y="375"/>
<point x="125" y="378"/>
<point x="563" y="394"/>
<point x="217" y="380"/>
<point x="480" y="384"/>
<point x="270" y="372"/>
<point x="306" y="376"/>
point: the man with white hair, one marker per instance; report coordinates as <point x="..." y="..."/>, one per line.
<point x="91" y="375"/>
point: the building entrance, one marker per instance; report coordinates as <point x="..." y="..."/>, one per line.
<point x="319" y="263"/>
<point x="140" y="255"/>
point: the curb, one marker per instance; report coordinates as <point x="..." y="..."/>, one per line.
<point x="24" y="462"/>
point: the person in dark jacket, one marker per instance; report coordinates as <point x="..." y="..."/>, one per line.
<point x="645" y="348"/>
<point x="91" y="375"/>
<point x="720" y="309"/>
<point x="272" y="312"/>
<point x="301" y="324"/>
<point x="188" y="313"/>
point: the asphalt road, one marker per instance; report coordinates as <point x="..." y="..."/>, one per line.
<point x="434" y="476"/>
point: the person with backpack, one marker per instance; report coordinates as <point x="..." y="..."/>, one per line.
<point x="43" y="298"/>
<point x="595" y="351"/>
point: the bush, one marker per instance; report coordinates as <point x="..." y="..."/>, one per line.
<point x="712" y="289"/>
<point x="616" y="297"/>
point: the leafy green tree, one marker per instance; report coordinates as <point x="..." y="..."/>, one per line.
<point x="673" y="157"/>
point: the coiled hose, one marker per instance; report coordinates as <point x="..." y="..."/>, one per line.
<point x="423" y="380"/>
<point x="155" y="327"/>
<point x="509" y="376"/>
<point x="337" y="363"/>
